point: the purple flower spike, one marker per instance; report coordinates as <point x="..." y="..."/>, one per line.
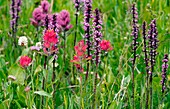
<point x="45" y="6"/>
<point x="77" y="5"/>
<point x="97" y="35"/>
<point x="63" y="19"/>
<point x="15" y="10"/>
<point x="135" y="31"/>
<point x="164" y="70"/>
<point x="87" y="17"/>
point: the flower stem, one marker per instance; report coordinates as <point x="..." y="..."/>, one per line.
<point x="53" y="80"/>
<point x="43" y="83"/>
<point x="94" y="90"/>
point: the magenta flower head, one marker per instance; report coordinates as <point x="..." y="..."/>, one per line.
<point x="37" y="16"/>
<point x="37" y="13"/>
<point x="64" y="20"/>
<point x="45" y="6"/>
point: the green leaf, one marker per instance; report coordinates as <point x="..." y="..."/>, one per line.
<point x="18" y="72"/>
<point x="25" y="51"/>
<point x="43" y="93"/>
<point x="38" y="69"/>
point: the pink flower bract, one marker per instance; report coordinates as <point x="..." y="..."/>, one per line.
<point x="45" y="6"/>
<point x="64" y="20"/>
<point x="80" y="48"/>
<point x="105" y="45"/>
<point x="50" y="39"/>
<point x="25" y="61"/>
<point x="37" y="14"/>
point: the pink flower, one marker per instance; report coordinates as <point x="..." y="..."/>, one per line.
<point x="64" y="20"/>
<point x="77" y="60"/>
<point x="105" y="45"/>
<point x="80" y="48"/>
<point x="35" y="48"/>
<point x="80" y="56"/>
<point x="25" y="61"/>
<point x="37" y="14"/>
<point x="45" y="6"/>
<point x="27" y="89"/>
<point x="50" y="40"/>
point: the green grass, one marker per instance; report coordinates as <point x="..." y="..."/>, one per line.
<point x="114" y="88"/>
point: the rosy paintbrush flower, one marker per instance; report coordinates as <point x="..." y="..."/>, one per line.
<point x="106" y="45"/>
<point x="80" y="56"/>
<point x="25" y="61"/>
<point x="80" y="48"/>
<point x="76" y="60"/>
<point x="50" y="40"/>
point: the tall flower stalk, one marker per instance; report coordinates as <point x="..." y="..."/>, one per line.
<point x="97" y="39"/>
<point x="46" y="24"/>
<point x="145" y="50"/>
<point x="164" y="75"/>
<point x="153" y="44"/>
<point x="63" y="19"/>
<point x="77" y="6"/>
<point x="87" y="17"/>
<point x="164" y="70"/>
<point x="15" y="10"/>
<point x="135" y="30"/>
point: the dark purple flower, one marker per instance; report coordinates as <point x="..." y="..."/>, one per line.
<point x="135" y="31"/>
<point x="153" y="43"/>
<point x="164" y="70"/>
<point x="55" y="26"/>
<point x="63" y="19"/>
<point x="15" y="10"/>
<point x="97" y="35"/>
<point x="48" y="20"/>
<point x="38" y="14"/>
<point x="87" y="17"/>
<point x="77" y="4"/>
<point x="45" y="6"/>
<point x="38" y="17"/>
<point x="145" y="48"/>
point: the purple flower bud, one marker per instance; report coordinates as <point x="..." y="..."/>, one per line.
<point x="63" y="19"/>
<point x="45" y="6"/>
<point x="38" y="14"/>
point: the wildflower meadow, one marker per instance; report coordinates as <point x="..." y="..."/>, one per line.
<point x="84" y="54"/>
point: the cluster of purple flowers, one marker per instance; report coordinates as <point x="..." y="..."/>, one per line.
<point x="15" y="9"/>
<point x="97" y="22"/>
<point x="135" y="31"/>
<point x="63" y="20"/>
<point x="153" y="45"/>
<point x="40" y="13"/>
<point x="87" y="16"/>
<point x="57" y="21"/>
<point x="164" y="70"/>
